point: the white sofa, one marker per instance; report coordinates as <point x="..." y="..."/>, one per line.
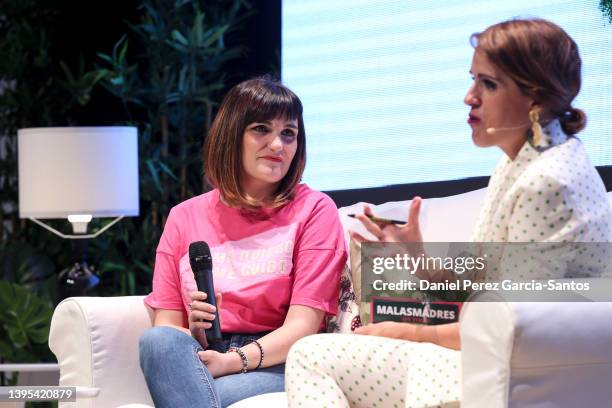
<point x="513" y="354"/>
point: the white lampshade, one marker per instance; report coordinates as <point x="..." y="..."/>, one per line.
<point x="78" y="170"/>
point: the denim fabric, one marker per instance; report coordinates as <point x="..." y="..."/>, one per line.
<point x="177" y="378"/>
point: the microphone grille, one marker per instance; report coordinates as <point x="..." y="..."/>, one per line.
<point x="198" y="250"/>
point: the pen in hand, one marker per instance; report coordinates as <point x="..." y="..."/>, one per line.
<point x="379" y="220"/>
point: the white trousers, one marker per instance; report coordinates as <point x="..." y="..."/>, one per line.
<point x="349" y="370"/>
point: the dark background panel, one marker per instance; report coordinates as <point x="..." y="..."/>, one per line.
<point x="401" y="192"/>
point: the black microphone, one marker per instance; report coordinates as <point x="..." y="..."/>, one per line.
<point x="201" y="265"/>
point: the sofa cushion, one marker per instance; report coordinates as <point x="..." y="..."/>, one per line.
<point x="347" y="317"/>
<point x="444" y="219"/>
<point x="270" y="400"/>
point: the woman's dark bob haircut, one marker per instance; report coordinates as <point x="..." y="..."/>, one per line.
<point x="255" y="100"/>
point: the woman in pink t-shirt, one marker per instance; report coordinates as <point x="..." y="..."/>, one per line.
<point x="277" y="249"/>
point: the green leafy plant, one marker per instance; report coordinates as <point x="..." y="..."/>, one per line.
<point x="167" y="73"/>
<point x="24" y="324"/>
<point x="34" y="91"/>
<point x="606" y="8"/>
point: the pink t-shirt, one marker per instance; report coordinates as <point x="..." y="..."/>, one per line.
<point x="261" y="265"/>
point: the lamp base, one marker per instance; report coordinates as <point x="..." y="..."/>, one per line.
<point x="76" y="280"/>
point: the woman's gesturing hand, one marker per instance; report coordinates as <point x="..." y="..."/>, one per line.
<point x="385" y="232"/>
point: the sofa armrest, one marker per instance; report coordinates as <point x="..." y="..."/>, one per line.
<point x="95" y="340"/>
<point x="532" y="354"/>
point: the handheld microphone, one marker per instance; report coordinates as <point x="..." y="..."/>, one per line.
<point x="492" y="131"/>
<point x="201" y="265"/>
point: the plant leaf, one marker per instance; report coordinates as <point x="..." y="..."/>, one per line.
<point x="154" y="175"/>
<point x="25" y="317"/>
<point x="178" y="37"/>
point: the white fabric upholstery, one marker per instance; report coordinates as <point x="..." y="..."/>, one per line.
<point x="271" y="400"/>
<point x="95" y="341"/>
<point x="445" y="219"/>
<point x="516" y="355"/>
<point x="536" y="354"/>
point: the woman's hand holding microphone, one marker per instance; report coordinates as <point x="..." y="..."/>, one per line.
<point x="200" y="316"/>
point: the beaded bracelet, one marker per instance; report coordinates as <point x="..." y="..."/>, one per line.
<point x="245" y="360"/>
<point x="261" y="352"/>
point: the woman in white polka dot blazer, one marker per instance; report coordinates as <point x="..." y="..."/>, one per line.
<point x="526" y="74"/>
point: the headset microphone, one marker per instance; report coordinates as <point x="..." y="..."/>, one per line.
<point x="492" y="130"/>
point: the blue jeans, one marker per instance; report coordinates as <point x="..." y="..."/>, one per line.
<point x="177" y="378"/>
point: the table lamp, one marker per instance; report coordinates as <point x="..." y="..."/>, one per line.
<point x="77" y="173"/>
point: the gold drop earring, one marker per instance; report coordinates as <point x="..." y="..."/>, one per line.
<point x="536" y="129"/>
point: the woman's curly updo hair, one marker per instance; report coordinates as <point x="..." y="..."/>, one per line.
<point x="542" y="60"/>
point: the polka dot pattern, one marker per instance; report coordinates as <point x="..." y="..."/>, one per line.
<point x="548" y="193"/>
<point x="343" y="370"/>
